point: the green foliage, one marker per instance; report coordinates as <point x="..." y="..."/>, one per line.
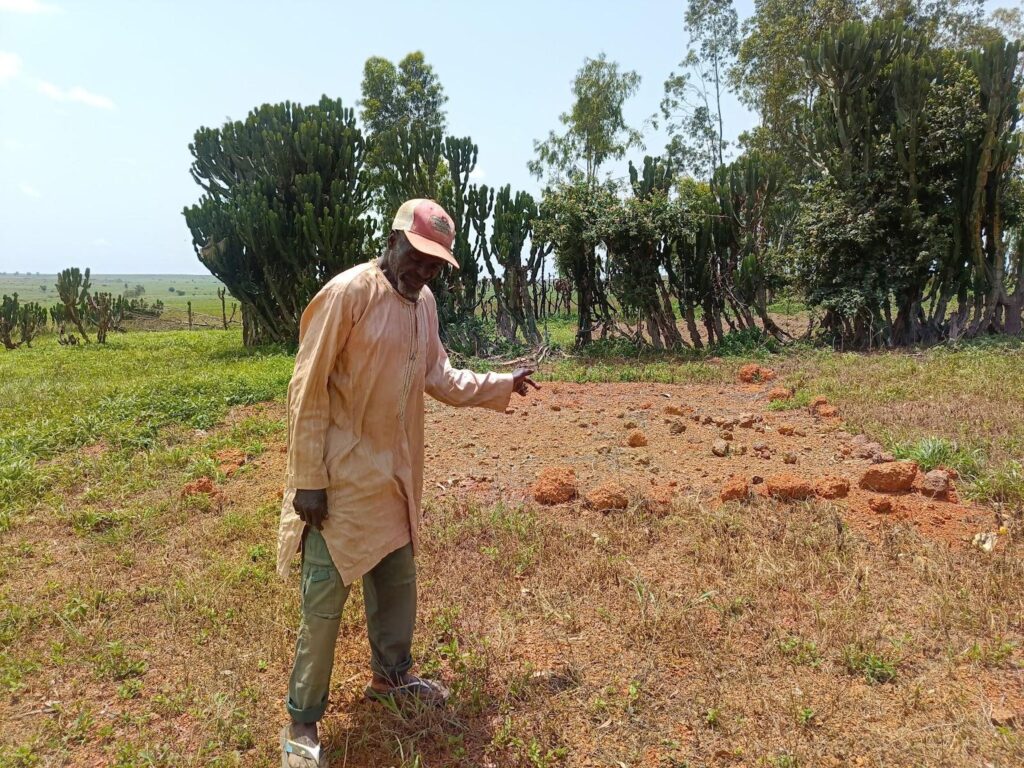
<point x="800" y="652"/>
<point x="73" y="289"/>
<point x="569" y="218"/>
<point x="764" y="76"/>
<point x="750" y="342"/>
<point x="402" y="113"/>
<point x="408" y="96"/>
<point x="692" y="105"/>
<point x="876" y="667"/>
<point x="25" y="319"/>
<point x="284" y="208"/>
<point x="638" y="233"/>
<point x="915" y="145"/>
<point x="106" y="313"/>
<point x="512" y="223"/>
<point x="595" y="127"/>
<point x="934" y="452"/>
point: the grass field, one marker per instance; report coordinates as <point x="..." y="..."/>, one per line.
<point x="141" y="626"/>
<point x="175" y="291"/>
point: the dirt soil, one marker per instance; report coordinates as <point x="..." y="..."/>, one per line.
<point x="494" y="456"/>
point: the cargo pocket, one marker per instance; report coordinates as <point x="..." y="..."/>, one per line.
<point x="323" y="594"/>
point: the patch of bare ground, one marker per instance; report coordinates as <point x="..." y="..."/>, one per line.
<point x="678" y="630"/>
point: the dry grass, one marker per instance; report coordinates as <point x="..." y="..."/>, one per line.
<point x="141" y="628"/>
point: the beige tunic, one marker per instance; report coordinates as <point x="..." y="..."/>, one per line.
<point x="355" y="415"/>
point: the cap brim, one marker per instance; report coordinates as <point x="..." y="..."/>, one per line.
<point x="430" y="248"/>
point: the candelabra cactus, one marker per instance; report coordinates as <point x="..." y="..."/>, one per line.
<point x="512" y="224"/>
<point x="73" y="289"/>
<point x="26" y="319"/>
<point x="107" y="313"/>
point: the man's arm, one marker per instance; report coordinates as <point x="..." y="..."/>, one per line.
<point x="323" y="331"/>
<point x="460" y="387"/>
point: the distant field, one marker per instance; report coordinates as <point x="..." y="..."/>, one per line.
<point x="201" y="290"/>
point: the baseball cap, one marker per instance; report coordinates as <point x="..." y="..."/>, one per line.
<point x="429" y="228"/>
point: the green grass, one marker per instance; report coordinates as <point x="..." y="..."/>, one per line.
<point x="954" y="406"/>
<point x="57" y="399"/>
<point x="201" y="290"/>
<point x="876" y="668"/>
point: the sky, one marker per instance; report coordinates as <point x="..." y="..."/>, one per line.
<point x="100" y="99"/>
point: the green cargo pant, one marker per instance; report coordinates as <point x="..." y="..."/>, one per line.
<point x="389" y="593"/>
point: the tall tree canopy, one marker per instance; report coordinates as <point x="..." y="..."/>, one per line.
<point x="408" y="95"/>
<point x="595" y="128"/>
<point x="692" y="105"/>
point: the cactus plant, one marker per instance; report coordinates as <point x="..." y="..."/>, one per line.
<point x="73" y="288"/>
<point x="27" y="319"/>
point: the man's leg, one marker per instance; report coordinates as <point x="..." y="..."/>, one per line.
<point x="323" y="597"/>
<point x="389" y="592"/>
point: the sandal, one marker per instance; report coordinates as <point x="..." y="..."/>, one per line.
<point x="415" y="688"/>
<point x="300" y="753"/>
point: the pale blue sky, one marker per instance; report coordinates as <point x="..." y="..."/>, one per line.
<point x="100" y="99"/>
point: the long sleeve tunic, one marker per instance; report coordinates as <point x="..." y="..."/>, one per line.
<point x="355" y="415"/>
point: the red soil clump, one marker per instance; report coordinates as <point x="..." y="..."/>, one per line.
<point x="636" y="439"/>
<point x="229" y="460"/>
<point x="658" y="500"/>
<point x="753" y="373"/>
<point x="735" y="489"/>
<point x="780" y="393"/>
<point x="890" y="477"/>
<point x="881" y="505"/>
<point x="607" y="497"/>
<point x="788" y="487"/>
<point x="831" y="487"/>
<point x="196" y="487"/>
<point x="937" y="484"/>
<point x="555" y="485"/>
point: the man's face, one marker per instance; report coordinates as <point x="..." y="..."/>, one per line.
<point x="412" y="269"/>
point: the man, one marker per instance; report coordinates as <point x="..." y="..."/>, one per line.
<point x="368" y="350"/>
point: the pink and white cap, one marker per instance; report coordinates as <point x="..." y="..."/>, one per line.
<point x="429" y="228"/>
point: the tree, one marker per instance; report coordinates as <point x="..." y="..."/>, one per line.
<point x="764" y="74"/>
<point x="512" y="224"/>
<point x="595" y="128"/>
<point x="407" y="96"/>
<point x="1008" y="22"/>
<point x="284" y="208"/>
<point x="402" y="109"/>
<point x="106" y="313"/>
<point x="595" y="132"/>
<point x="946" y="23"/>
<point x="916" y="147"/>
<point x="638" y="232"/>
<point x="569" y="222"/>
<point x="747" y="192"/>
<point x="692" y="106"/>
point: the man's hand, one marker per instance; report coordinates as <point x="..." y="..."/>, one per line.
<point x="521" y="381"/>
<point x="311" y="507"/>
